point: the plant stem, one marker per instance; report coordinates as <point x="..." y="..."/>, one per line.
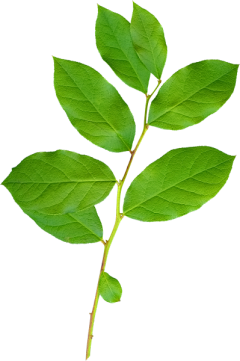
<point x="106" y="250"/>
<point x="118" y="219"/>
<point x="145" y="128"/>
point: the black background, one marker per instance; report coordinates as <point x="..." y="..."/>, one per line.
<point x="175" y="275"/>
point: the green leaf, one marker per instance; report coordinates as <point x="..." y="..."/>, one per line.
<point x="59" y="182"/>
<point x="115" y="46"/>
<point x="192" y="94"/>
<point x="77" y="227"/>
<point x="178" y="183"/>
<point x="109" y="288"/>
<point x="148" y="40"/>
<point x="93" y="106"/>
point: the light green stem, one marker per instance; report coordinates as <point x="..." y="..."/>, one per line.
<point x="106" y="250"/>
<point x="118" y="219"/>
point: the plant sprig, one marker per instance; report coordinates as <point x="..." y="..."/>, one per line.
<point x="59" y="190"/>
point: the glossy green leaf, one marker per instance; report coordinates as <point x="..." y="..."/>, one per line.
<point x="77" y="227"/>
<point x="148" y="40"/>
<point x="59" y="182"/>
<point x="115" y="46"/>
<point x="178" y="183"/>
<point x="192" y="94"/>
<point x="93" y="106"/>
<point x="109" y="288"/>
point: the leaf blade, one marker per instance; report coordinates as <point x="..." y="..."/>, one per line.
<point x="192" y="94"/>
<point x="109" y="288"/>
<point x="75" y="228"/>
<point x="59" y="182"/>
<point x="115" y="46"/>
<point x="148" y="40"/>
<point x="93" y="106"/>
<point x="178" y="183"/>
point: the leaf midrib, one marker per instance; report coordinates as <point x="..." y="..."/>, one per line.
<point x="85" y="181"/>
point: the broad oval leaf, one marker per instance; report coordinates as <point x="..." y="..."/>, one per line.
<point x="148" y="40"/>
<point x="93" y="106"/>
<point x="192" y="94"/>
<point x="115" y="46"/>
<point x="59" y="182"/>
<point x="76" y="227"/>
<point x="109" y="288"/>
<point x="178" y="183"/>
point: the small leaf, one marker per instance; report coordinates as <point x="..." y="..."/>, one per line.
<point x="109" y="288"/>
<point x="192" y="94"/>
<point x="115" y="46"/>
<point x="178" y="183"/>
<point x="148" y="40"/>
<point x="93" y="106"/>
<point x="77" y="227"/>
<point x="59" y="182"/>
